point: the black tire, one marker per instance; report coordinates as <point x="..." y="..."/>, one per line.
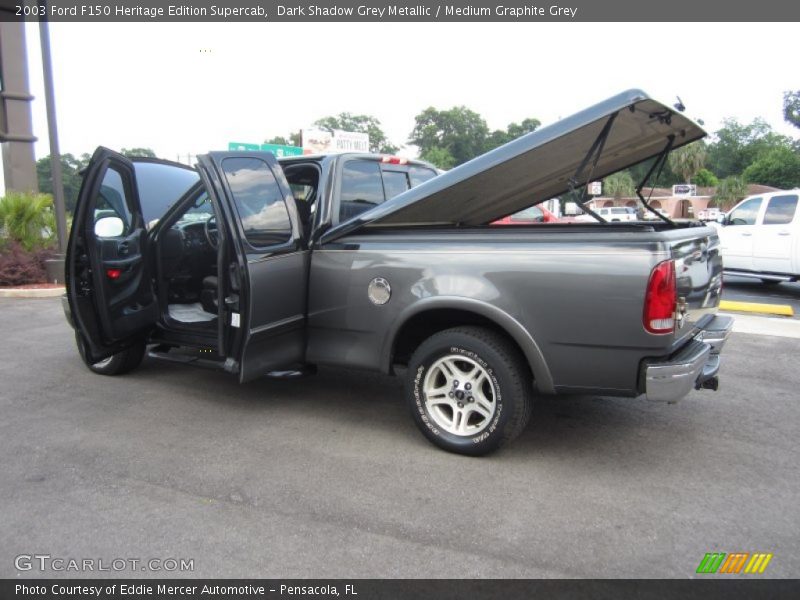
<point x="505" y="380"/>
<point x="117" y="364"/>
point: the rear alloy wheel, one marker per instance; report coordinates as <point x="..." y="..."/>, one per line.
<point x="116" y="364"/>
<point x="469" y="390"/>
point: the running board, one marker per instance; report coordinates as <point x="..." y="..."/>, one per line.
<point x="229" y="365"/>
<point x="749" y="275"/>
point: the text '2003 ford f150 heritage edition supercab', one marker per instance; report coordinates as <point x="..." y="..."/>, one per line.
<point x="254" y="265"/>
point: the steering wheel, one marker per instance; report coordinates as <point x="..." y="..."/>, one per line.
<point x="210" y="229"/>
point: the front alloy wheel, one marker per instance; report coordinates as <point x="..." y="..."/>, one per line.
<point x="116" y="364"/>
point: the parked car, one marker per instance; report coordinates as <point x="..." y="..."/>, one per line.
<point x="760" y="237"/>
<point x="709" y="214"/>
<point x="650" y="216"/>
<point x="240" y="274"/>
<point x="529" y="216"/>
<point x="618" y="213"/>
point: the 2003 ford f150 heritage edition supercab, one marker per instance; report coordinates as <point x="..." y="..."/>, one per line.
<point x="254" y="266"/>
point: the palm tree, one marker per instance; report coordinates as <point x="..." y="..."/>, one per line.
<point x="729" y="191"/>
<point x="619" y="185"/>
<point x="688" y="160"/>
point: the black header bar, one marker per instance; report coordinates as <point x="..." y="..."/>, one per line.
<point x="371" y="11"/>
<point x="739" y="588"/>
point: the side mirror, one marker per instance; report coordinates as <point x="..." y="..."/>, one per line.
<point x="107" y="227"/>
<point x="721" y="219"/>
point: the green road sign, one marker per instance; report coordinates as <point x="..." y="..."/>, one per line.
<point x="280" y="150"/>
<point x="243" y="147"/>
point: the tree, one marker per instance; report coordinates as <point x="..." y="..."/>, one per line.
<point x="619" y="185"/>
<point x="687" y="160"/>
<point x="512" y="132"/>
<point x="705" y="178"/>
<point x="779" y="167"/>
<point x="440" y="157"/>
<point x="791" y="107"/>
<point x="460" y="131"/>
<point x="294" y="139"/>
<point x="729" y="191"/>
<point x="360" y="124"/>
<point x="737" y="146"/>
<point x="70" y="168"/>
<point x="138" y="153"/>
<point x="27" y="219"/>
<point x="665" y="179"/>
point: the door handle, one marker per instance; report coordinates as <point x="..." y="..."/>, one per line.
<point x="783" y="233"/>
<point x="746" y="234"/>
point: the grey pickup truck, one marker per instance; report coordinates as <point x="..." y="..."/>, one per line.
<point x="257" y="266"/>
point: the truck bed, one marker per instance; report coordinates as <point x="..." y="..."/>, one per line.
<point x="577" y="288"/>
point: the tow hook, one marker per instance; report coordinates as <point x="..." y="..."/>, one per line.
<point x="712" y="383"/>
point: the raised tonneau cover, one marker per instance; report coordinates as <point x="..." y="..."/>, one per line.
<point x="536" y="166"/>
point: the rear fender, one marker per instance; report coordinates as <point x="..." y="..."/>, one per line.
<point x="543" y="380"/>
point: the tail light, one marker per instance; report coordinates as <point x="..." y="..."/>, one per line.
<point x="660" y="299"/>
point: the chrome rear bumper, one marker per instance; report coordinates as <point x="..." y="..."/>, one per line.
<point x="694" y="366"/>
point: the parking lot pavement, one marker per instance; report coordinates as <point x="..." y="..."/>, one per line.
<point x="327" y="476"/>
<point x="741" y="289"/>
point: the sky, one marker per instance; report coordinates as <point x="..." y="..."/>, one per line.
<point x="189" y="88"/>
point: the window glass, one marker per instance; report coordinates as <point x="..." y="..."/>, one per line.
<point x="160" y="186"/>
<point x="394" y="183"/>
<point x="199" y="212"/>
<point x="362" y="188"/>
<point x="420" y="174"/>
<point x="301" y="191"/>
<point x="746" y="213"/>
<point x="532" y="213"/>
<point x="780" y="210"/>
<point x="259" y="201"/>
<point x="112" y="204"/>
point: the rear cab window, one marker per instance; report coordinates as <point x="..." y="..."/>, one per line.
<point x="366" y="183"/>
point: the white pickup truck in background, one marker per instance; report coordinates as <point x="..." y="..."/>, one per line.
<point x="760" y="237"/>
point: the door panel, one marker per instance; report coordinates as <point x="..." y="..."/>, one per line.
<point x="736" y="237"/>
<point x="108" y="278"/>
<point x="775" y="237"/>
<point x="277" y="313"/>
<point x="271" y="265"/>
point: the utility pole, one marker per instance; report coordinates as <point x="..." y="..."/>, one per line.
<point x="16" y="128"/>
<point x="52" y="131"/>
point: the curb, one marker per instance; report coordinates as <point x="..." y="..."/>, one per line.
<point x="760" y="325"/>
<point x="783" y="310"/>
<point x="31" y="292"/>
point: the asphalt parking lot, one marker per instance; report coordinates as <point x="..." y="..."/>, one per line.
<point x="752" y="290"/>
<point x="328" y="477"/>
